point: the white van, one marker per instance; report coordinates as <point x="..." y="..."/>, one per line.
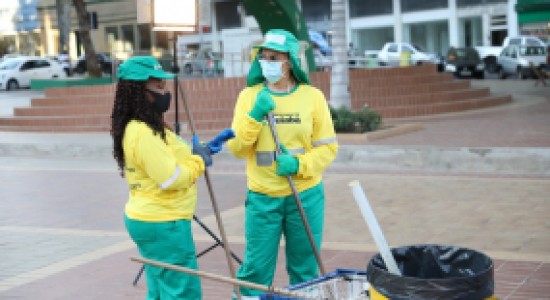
<point x="519" y="60"/>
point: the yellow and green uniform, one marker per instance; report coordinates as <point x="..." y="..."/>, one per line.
<point x="305" y="128"/>
<point x="161" y="176"/>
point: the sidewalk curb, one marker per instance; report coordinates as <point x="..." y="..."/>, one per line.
<point x="519" y="161"/>
<point x="389" y="131"/>
<point x="479" y="160"/>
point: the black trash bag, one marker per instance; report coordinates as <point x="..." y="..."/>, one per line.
<point x="434" y="272"/>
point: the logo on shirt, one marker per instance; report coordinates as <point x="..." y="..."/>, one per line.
<point x="135" y="186"/>
<point x="290" y="118"/>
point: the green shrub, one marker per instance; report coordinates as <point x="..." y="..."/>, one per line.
<point x="360" y="121"/>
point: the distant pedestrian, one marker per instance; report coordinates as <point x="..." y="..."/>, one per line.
<point x="161" y="171"/>
<point x="351" y="54"/>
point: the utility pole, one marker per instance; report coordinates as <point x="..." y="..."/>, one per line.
<point x="339" y="79"/>
<point x="63" y="8"/>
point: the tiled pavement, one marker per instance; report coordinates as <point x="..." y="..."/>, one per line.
<point x="62" y="236"/>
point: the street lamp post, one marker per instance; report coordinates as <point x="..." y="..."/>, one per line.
<point x="176" y="71"/>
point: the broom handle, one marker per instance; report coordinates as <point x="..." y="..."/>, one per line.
<point x="271" y="121"/>
<point x="212" y="197"/>
<point x="236" y="282"/>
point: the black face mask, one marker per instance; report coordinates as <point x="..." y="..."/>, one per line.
<point x="162" y="101"/>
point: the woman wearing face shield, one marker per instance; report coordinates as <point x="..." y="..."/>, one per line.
<point x="277" y="84"/>
<point x="161" y="171"/>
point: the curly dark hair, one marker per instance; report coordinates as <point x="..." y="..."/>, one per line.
<point x="131" y="104"/>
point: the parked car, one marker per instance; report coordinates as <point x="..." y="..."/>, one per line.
<point x="104" y="60"/>
<point x="322" y="62"/>
<point x="517" y="60"/>
<point x="464" y="62"/>
<point x="18" y="72"/>
<point x="490" y="54"/>
<point x="390" y="55"/>
<point x="64" y="60"/>
<point x="205" y="61"/>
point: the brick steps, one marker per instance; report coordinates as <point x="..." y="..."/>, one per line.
<point x="394" y="92"/>
<point x="85" y="110"/>
<point x="91" y="123"/>
<point x="445" y="107"/>
<point x="422" y="99"/>
<point x="367" y="91"/>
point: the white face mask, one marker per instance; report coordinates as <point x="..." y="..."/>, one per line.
<point x="272" y="70"/>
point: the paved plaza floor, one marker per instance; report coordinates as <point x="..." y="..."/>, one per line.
<point x="62" y="235"/>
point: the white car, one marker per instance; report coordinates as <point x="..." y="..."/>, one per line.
<point x="390" y="55"/>
<point x="18" y="72"/>
<point x="519" y="61"/>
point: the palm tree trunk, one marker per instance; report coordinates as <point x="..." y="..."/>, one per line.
<point x="92" y="64"/>
<point x="339" y="81"/>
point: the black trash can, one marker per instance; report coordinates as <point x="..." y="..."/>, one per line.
<point x="432" y="272"/>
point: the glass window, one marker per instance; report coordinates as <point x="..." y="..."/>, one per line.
<point x="362" y="8"/>
<point x="9" y="64"/>
<point x="111" y="33"/>
<point x="416" y="5"/>
<point x="392" y="48"/>
<point x="42" y="64"/>
<point x="532" y="50"/>
<point x="316" y="10"/>
<point x="227" y="15"/>
<point x="532" y="42"/>
<point x="161" y="39"/>
<point x="144" y="36"/>
<point x="514" y="42"/>
<point x="462" y="3"/>
<point x="406" y="48"/>
<point x="31" y="64"/>
<point x="128" y="39"/>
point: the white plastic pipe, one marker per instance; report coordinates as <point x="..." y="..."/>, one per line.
<point x="374" y="228"/>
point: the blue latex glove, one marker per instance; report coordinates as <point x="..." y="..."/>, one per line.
<point x="262" y="106"/>
<point x="287" y="164"/>
<point x="216" y="144"/>
<point x="202" y="150"/>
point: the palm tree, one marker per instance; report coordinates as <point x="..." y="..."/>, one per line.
<point x="339" y="80"/>
<point x="84" y="30"/>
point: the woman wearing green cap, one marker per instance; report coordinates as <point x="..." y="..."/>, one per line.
<point x="276" y="83"/>
<point x="161" y="171"/>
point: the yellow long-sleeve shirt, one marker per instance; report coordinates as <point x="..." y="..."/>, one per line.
<point x="304" y="127"/>
<point x="161" y="175"/>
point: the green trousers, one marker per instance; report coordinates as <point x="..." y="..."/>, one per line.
<point x="266" y="219"/>
<point x="169" y="242"/>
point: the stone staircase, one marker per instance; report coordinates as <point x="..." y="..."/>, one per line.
<point x="415" y="91"/>
<point x="394" y="92"/>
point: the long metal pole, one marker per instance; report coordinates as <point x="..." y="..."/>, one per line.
<point x="212" y="197"/>
<point x="271" y="121"/>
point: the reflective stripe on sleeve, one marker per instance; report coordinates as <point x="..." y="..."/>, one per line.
<point x="172" y="179"/>
<point x="324" y="142"/>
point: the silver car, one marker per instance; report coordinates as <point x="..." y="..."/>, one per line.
<point x="519" y="60"/>
<point x="206" y="62"/>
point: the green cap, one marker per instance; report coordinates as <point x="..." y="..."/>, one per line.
<point x="281" y="41"/>
<point x="141" y="68"/>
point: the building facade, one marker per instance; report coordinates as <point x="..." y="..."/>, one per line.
<point x="431" y="24"/>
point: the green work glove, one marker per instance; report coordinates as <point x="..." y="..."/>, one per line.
<point x="287" y="164"/>
<point x="262" y="106"/>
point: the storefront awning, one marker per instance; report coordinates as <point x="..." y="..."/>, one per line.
<point x="533" y="11"/>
